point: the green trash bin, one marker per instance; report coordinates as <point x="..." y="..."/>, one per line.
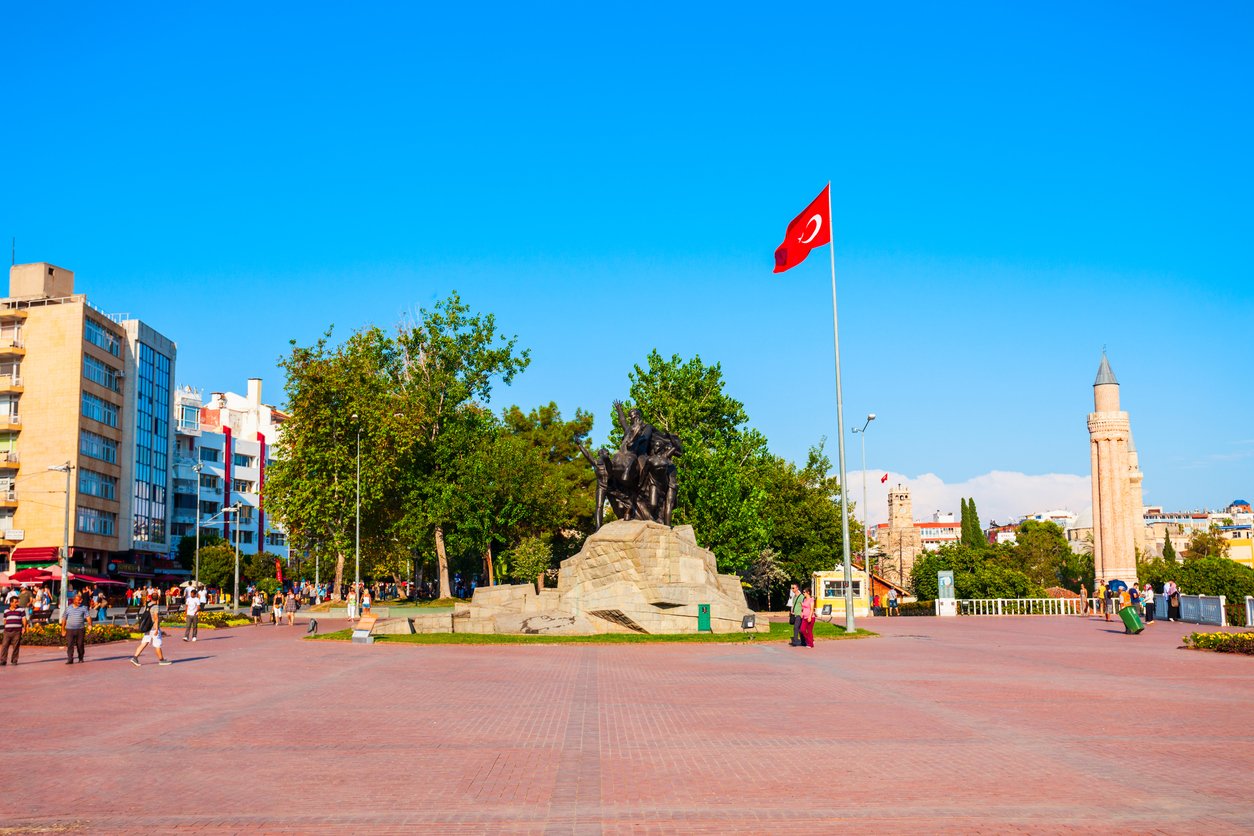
<point x="1132" y="622"/>
<point x="703" y="618"/>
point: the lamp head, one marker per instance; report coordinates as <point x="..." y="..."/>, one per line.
<point x="870" y="417"/>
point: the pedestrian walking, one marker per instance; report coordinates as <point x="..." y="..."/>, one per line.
<point x="352" y="604"/>
<point x="794" y="616"/>
<point x="192" y="613"/>
<point x="259" y="604"/>
<point x="289" y="608"/>
<point x="1109" y="604"/>
<point x="15" y="621"/>
<point x="807" y="618"/>
<point x="74" y="623"/>
<point x="1084" y="600"/>
<point x="150" y="626"/>
<point x="1147" y="596"/>
<point x="366" y="600"/>
<point x="892" y="602"/>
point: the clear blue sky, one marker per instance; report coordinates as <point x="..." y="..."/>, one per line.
<point x="1015" y="186"/>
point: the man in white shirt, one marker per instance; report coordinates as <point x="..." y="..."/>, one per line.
<point x="194" y="603"/>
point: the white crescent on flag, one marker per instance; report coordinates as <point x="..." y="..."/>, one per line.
<point x="817" y="220"/>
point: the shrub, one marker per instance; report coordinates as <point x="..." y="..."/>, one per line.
<point x="49" y="635"/>
<point x="1221" y="642"/>
<point x="213" y="618"/>
<point x="917" y="608"/>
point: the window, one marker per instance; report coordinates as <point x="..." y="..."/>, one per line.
<point x="99" y="410"/>
<point x="208" y="454"/>
<point x="101" y="337"/>
<point x="99" y="373"/>
<point x="246" y="515"/>
<point x="244" y="461"/>
<point x="98" y="447"/>
<point x="189" y="417"/>
<point x="97" y="484"/>
<point x="276" y="538"/>
<point x="242" y="486"/>
<point x="836" y="589"/>
<point x="213" y="483"/>
<point x="91" y="521"/>
<point x="246" y="538"/>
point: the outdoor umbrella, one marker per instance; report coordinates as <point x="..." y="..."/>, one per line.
<point x="1116" y="585"/>
<point x="30" y="576"/>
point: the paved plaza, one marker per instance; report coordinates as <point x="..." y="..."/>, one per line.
<point x="953" y="725"/>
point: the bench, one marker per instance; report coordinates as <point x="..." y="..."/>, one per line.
<point x="361" y="630"/>
<point x="128" y="615"/>
<point x="40" y="617"/>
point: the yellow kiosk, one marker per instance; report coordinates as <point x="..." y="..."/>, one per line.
<point x="829" y="594"/>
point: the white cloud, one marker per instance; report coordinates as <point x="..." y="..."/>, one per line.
<point x="999" y="495"/>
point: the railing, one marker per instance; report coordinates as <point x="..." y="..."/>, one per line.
<point x="1021" y="606"/>
<point x="11" y="341"/>
<point x="10" y="380"/>
<point x="9" y="456"/>
<point x="8" y="495"/>
<point x="11" y="418"/>
<point x="1198" y="609"/>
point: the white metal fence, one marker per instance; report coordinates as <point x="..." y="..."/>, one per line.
<point x="1021" y="606"/>
<point x="1199" y="609"/>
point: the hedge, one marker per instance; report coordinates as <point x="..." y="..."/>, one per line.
<point x="49" y="635"/>
<point x="212" y="619"/>
<point x="1221" y="642"/>
<point x="917" y="608"/>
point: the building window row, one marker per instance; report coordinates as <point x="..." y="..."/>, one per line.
<point x="242" y="460"/>
<point x="100" y="374"/>
<point x="97" y="484"/>
<point x="100" y="410"/>
<point x="101" y="337"/>
<point x="91" y="521"/>
<point x="98" y="447"/>
<point x="276" y="538"/>
<point x="210" y="454"/>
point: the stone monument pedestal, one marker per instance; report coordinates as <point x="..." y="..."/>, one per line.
<point x="631" y="576"/>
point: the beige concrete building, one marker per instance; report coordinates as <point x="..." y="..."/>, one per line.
<point x="1118" y="527"/>
<point x="78" y="387"/>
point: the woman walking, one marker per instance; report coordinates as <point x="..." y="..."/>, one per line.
<point x="276" y="607"/>
<point x="1147" y="597"/>
<point x="807" y="618"/>
<point x="289" y="608"/>
<point x="1173" y="601"/>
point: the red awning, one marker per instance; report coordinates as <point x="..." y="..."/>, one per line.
<point x="30" y="576"/>
<point x="94" y="579"/>
<point x="36" y="555"/>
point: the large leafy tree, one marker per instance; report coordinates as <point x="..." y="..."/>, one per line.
<point x="802" y="507"/>
<point x="572" y="483"/>
<point x="1041" y="552"/>
<point x="721" y="494"/>
<point x="982" y="572"/>
<point x="448" y="361"/>
<point x="1206" y="543"/>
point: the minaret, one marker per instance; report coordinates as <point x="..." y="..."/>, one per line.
<point x="1115" y="491"/>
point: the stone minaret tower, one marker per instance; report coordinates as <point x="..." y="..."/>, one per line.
<point x="1117" y="512"/>
<point x="902" y="543"/>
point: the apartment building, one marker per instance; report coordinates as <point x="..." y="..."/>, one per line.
<point x="223" y="446"/>
<point x="90" y="390"/>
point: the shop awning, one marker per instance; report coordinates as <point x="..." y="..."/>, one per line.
<point x="41" y="554"/>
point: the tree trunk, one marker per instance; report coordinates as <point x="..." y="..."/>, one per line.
<point x="339" y="575"/>
<point x="441" y="557"/>
<point x="539" y="582"/>
<point x="487" y="559"/>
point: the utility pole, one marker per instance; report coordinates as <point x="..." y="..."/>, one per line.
<point x="197" y="468"/>
<point x="235" y="597"/>
<point x="65" y="547"/>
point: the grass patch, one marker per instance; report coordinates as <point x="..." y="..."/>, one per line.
<point x="779" y="632"/>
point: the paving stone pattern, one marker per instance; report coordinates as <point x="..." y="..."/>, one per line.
<point x="941" y="725"/>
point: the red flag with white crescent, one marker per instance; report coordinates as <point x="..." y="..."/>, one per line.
<point x="812" y="228"/>
<point x="884" y="478"/>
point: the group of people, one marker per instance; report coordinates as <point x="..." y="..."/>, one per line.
<point x="801" y="616"/>
<point x="282" y="605"/>
<point x="1112" y="599"/>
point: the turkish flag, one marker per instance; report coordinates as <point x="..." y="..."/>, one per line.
<point x="884" y="478"/>
<point x="812" y="228"/>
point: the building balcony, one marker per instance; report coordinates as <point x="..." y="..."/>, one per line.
<point x="11" y="383"/>
<point x="12" y="314"/>
<point x="8" y="497"/>
<point x="10" y="421"/>
<point x="12" y="344"/>
<point x="9" y="459"/>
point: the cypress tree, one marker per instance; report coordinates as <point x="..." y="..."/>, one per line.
<point x="1169" y="551"/>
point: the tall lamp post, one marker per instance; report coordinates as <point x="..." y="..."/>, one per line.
<point x="235" y="597"/>
<point x="199" y="466"/>
<point x="357" y="537"/>
<point x="68" y="469"/>
<point x="866" y="555"/>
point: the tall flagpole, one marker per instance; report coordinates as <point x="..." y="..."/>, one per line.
<point x="840" y="428"/>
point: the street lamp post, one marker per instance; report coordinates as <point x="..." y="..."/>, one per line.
<point x="235" y="597"/>
<point x="68" y="469"/>
<point x="357" y="538"/>
<point x="866" y="554"/>
<point x="197" y="468"/>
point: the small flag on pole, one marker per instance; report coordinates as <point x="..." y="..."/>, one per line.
<point x="812" y="228"/>
<point x="884" y="478"/>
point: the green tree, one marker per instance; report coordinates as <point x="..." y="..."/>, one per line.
<point x="530" y="560"/>
<point x="765" y="575"/>
<point x="1041" y="552"/>
<point x="1169" y="551"/>
<point x="573" y="481"/>
<point x="448" y="361"/>
<point x="1206" y="543"/>
<point x="217" y="566"/>
<point x="720" y="485"/>
<point x="187" y="547"/>
<point x="972" y="534"/>
<point x="982" y="572"/>
<point x="802" y="509"/>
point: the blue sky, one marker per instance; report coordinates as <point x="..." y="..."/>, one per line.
<point x="1014" y="186"/>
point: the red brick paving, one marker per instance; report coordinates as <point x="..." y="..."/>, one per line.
<point x="954" y="725"/>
